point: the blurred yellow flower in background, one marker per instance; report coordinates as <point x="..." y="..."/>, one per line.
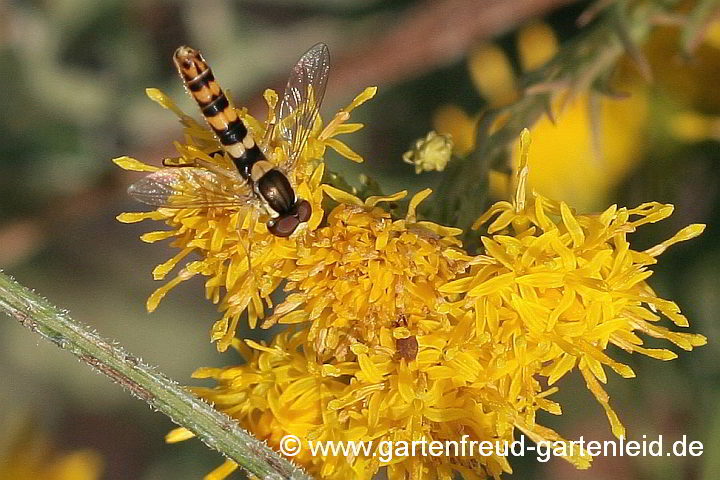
<point x="589" y="155"/>
<point x="695" y="127"/>
<point x="593" y="141"/>
<point x="536" y="44"/>
<point x="451" y="120"/>
<point x="582" y="158"/>
<point x="492" y="74"/>
<point x="682" y="83"/>
<point x="712" y="34"/>
<point x="681" y="79"/>
<point x="29" y="455"/>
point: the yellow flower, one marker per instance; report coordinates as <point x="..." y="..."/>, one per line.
<point x="565" y="286"/>
<point x="491" y="71"/>
<point x="681" y="80"/>
<point x="453" y="121"/>
<point x="712" y="34"/>
<point x="595" y="142"/>
<point x="280" y="390"/>
<point x="364" y="270"/>
<point x="591" y="141"/>
<point x="593" y="154"/>
<point x="536" y="44"/>
<point x="223" y="236"/>
<point x="450" y="388"/>
<point x="695" y="107"/>
<point x="385" y="356"/>
<point x="492" y="74"/>
<point x="591" y="158"/>
<point x="694" y="127"/>
<point x="31" y="456"/>
<point x="407" y="338"/>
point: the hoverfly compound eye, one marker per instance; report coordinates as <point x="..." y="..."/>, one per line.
<point x="304" y="210"/>
<point x="283" y="226"/>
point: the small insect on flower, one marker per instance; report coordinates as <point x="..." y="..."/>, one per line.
<point x="255" y="180"/>
<point x="407" y="347"/>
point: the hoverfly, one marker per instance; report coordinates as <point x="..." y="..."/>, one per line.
<point x="256" y="180"/>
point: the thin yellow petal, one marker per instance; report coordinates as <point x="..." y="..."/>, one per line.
<point x="132" y="164"/>
<point x="415" y="201"/>
<point x="134" y="217"/>
<point x="341" y="196"/>
<point x="343" y="150"/>
<point x="366" y="95"/>
<point x="223" y="471"/>
<point x="574" y="229"/>
<point x="691" y="231"/>
<point x="374" y="200"/>
<point x="178" y="435"/>
<point x="164" y="101"/>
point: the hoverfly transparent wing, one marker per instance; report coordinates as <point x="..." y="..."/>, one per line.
<point x="301" y="101"/>
<point x="190" y="187"/>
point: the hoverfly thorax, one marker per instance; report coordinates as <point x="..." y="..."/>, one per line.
<point x="257" y="181"/>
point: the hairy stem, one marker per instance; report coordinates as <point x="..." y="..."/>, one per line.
<point x="214" y="428"/>
<point x="577" y="67"/>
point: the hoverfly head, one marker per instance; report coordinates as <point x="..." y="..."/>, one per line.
<point x="189" y="62"/>
<point x="285" y="224"/>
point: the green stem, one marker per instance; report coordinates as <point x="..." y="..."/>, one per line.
<point x="577" y="67"/>
<point x="214" y="428"/>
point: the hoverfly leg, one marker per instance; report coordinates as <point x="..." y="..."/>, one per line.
<point x="248" y="248"/>
<point x="167" y="162"/>
<point x="251" y="231"/>
<point x="268" y="138"/>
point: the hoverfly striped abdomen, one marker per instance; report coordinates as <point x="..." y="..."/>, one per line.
<point x="215" y="107"/>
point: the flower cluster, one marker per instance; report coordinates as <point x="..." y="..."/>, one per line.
<point x="397" y="332"/>
<point x="562" y="287"/>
